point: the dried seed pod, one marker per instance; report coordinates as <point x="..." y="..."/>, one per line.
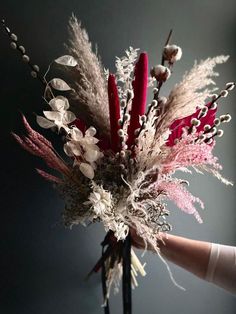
<point x="25" y="58"/>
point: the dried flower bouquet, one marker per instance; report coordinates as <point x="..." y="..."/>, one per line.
<point x="122" y="152"/>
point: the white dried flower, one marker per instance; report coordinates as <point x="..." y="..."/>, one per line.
<point x="100" y="200"/>
<point x="59" y="116"/>
<point x="125" y="65"/>
<point x="83" y="145"/>
<point x="172" y="53"/>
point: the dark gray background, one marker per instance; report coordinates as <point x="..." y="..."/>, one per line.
<point x="42" y="264"/>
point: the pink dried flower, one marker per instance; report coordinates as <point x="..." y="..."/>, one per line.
<point x="37" y="145"/>
<point x="48" y="176"/>
<point x="34" y="133"/>
<point x="181" y="197"/>
<point x="187" y="153"/>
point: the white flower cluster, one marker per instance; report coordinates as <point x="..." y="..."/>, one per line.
<point x="59" y="116"/>
<point x="102" y="205"/>
<point x="124" y="70"/>
<point x="125" y="65"/>
<point x="84" y="149"/>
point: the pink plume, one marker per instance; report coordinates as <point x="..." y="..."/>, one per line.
<point x="48" y="176"/>
<point x="181" y="197"/>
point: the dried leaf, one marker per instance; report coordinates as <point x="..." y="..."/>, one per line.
<point x="87" y="170"/>
<point x="67" y="60"/>
<point x="59" y="103"/>
<point x="44" y="123"/>
<point x="91" y="155"/>
<point x="59" y="84"/>
<point x="69" y="117"/>
<point x="53" y="115"/>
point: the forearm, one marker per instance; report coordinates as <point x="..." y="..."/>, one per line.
<point x="189" y="254"/>
<point x="212" y="262"/>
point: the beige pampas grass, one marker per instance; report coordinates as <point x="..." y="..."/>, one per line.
<point x="88" y="78"/>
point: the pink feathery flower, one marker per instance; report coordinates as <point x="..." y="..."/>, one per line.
<point x="187" y="153"/>
<point x="34" y="133"/>
<point x="140" y="96"/>
<point x="37" y="145"/>
<point x="48" y="176"/>
<point x="176" y="192"/>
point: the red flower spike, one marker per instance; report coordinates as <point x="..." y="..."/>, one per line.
<point x="114" y="110"/>
<point x="178" y="125"/>
<point x="140" y="95"/>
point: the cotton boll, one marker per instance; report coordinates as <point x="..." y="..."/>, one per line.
<point x="160" y="72"/>
<point x="172" y="53"/>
